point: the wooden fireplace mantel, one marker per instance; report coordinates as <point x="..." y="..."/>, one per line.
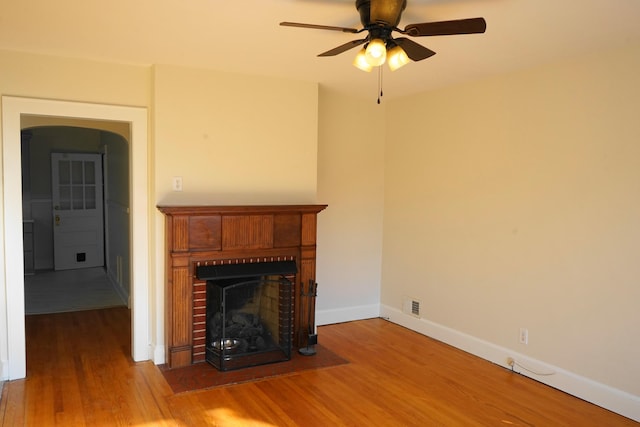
<point x="197" y="235"/>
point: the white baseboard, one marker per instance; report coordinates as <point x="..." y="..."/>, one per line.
<point x="610" y="398"/>
<point x="4" y="370"/>
<point x="122" y="293"/>
<point x="157" y="354"/>
<point x="327" y="317"/>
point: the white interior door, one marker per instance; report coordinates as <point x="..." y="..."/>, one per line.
<point x="78" y="217"/>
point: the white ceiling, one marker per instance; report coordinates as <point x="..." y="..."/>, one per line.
<point x="244" y="36"/>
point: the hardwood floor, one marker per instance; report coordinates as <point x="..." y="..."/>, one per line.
<point x="79" y="372"/>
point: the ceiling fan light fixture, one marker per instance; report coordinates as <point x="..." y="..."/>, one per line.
<point x="360" y="61"/>
<point x="397" y="58"/>
<point x="379" y="19"/>
<point x="376" y="52"/>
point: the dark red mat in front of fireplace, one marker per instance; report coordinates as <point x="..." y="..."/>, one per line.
<point x="202" y="375"/>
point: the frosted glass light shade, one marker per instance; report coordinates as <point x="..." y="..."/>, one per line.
<point x="396" y="58"/>
<point x="376" y="52"/>
<point x="360" y="61"/>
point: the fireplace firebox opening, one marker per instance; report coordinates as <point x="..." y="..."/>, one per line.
<point x="249" y="313"/>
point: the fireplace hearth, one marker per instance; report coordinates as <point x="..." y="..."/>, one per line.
<point x="249" y="313"/>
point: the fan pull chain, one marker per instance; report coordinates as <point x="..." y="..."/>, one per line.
<point x="379" y="83"/>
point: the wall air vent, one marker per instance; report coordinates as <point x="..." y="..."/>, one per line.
<point x="415" y="308"/>
<point x="411" y="306"/>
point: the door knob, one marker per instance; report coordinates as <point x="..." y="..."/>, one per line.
<point x="57" y="218"/>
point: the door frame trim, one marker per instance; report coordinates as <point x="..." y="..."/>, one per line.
<point x="12" y="267"/>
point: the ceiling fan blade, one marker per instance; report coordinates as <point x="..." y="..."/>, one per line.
<point x="343" y="48"/>
<point x="387" y="11"/>
<point x="320" y="27"/>
<point x="415" y="51"/>
<point x="446" y="28"/>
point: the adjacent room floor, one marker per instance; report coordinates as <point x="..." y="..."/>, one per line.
<point x="69" y="290"/>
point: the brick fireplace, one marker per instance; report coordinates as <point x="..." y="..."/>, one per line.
<point x="197" y="236"/>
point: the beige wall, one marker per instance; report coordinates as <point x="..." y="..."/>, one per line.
<point x="51" y="77"/>
<point x="234" y="138"/>
<point x="515" y="202"/>
<point x="351" y="182"/>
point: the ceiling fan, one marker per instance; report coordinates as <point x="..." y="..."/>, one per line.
<point x="380" y="19"/>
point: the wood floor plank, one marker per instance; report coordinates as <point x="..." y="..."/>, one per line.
<point x="79" y="372"/>
<point x="12" y="405"/>
<point x="306" y="408"/>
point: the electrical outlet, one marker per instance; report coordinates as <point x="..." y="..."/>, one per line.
<point x="177" y="183"/>
<point x="524" y="336"/>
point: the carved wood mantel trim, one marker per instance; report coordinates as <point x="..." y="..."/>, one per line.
<point x="200" y="234"/>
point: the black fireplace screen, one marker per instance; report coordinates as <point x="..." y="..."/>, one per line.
<point x="249" y="318"/>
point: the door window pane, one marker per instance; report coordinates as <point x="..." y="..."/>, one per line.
<point x="89" y="173"/>
<point x="76" y="172"/>
<point x="64" y="172"/>
<point x="77" y="194"/>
